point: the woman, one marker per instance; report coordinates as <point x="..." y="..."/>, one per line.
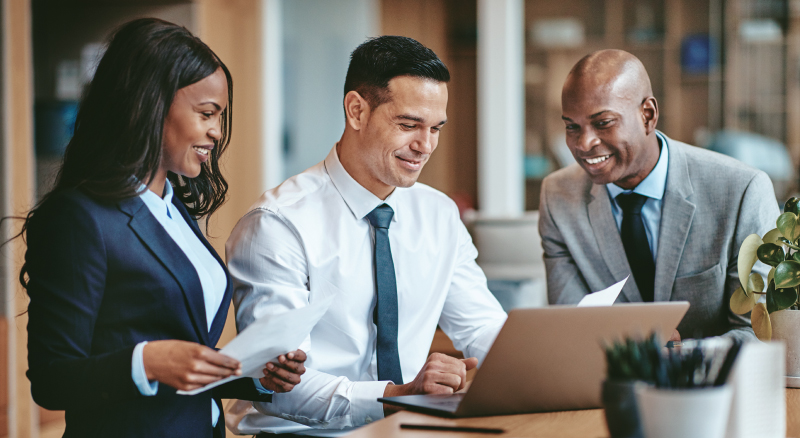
<point x="127" y="298"/>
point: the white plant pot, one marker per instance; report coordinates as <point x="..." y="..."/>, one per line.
<point x="684" y="413"/>
<point x="786" y="328"/>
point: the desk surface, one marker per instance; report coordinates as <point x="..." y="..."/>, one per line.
<point x="568" y="424"/>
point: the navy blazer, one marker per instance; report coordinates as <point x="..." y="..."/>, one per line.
<point x="103" y="278"/>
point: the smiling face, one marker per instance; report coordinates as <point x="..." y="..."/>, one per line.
<point x="192" y="126"/>
<point x="610" y="128"/>
<point x="393" y="142"/>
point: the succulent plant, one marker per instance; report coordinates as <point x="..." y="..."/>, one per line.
<point x="672" y="368"/>
<point x="780" y="249"/>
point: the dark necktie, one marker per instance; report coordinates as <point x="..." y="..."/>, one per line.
<point x="634" y="239"/>
<point x="386" y="285"/>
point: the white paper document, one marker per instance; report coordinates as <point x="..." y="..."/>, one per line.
<point x="605" y="297"/>
<point x="267" y="338"/>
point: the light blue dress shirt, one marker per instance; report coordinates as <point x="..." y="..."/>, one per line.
<point x="212" y="277"/>
<point x="652" y="187"/>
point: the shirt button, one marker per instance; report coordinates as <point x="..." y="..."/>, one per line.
<point x="368" y="420"/>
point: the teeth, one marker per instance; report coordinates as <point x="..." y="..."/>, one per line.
<point x="200" y="150"/>
<point x="597" y="160"/>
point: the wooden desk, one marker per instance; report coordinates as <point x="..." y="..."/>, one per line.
<point x="568" y="424"/>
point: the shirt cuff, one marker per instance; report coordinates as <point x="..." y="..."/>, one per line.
<point x="260" y="388"/>
<point x="364" y="404"/>
<point x="146" y="387"/>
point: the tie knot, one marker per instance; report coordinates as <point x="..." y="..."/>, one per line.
<point x="631" y="203"/>
<point x="381" y="217"/>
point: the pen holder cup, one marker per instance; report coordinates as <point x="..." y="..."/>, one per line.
<point x="619" y="402"/>
<point x="684" y="413"/>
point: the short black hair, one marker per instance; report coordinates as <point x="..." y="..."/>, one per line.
<point x="378" y="60"/>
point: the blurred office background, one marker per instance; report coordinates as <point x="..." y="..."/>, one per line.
<point x="725" y="73"/>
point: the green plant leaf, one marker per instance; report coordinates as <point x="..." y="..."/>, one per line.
<point x="742" y="302"/>
<point x="772" y="236"/>
<point x="748" y="254"/>
<point x="770" y="254"/>
<point x="787" y="274"/>
<point x="792" y="206"/>
<point x="755" y="283"/>
<point x="771" y="275"/>
<point x="779" y="299"/>
<point x="761" y="323"/>
<point x="795" y="257"/>
<point x="787" y="224"/>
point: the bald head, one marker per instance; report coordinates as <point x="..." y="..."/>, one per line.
<point x="612" y="71"/>
<point x="610" y="116"/>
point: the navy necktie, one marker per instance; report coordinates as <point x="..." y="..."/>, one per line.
<point x="386" y="284"/>
<point x="637" y="248"/>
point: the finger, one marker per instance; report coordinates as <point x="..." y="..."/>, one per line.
<point x="298" y="356"/>
<point x="470" y="362"/>
<point x="210" y="369"/>
<point x="450" y="380"/>
<point x="443" y="358"/>
<point x="281" y="374"/>
<point x="220" y="359"/>
<point x="277" y="386"/>
<point x="293" y="367"/>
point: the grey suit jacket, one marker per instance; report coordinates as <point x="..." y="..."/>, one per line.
<point x="711" y="203"/>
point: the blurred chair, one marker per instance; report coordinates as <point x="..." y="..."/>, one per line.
<point x="510" y="254"/>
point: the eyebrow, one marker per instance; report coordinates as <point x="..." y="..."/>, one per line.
<point x="417" y="119"/>
<point x="598" y="114"/>
<point x="216" y="105"/>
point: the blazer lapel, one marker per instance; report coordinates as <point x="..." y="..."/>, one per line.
<point x="153" y="235"/>
<point x="221" y="315"/>
<point x="676" y="220"/>
<point x="610" y="243"/>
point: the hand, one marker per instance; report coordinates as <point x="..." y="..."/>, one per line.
<point x="676" y="337"/>
<point x="286" y="374"/>
<point x="441" y="374"/>
<point x="186" y="365"/>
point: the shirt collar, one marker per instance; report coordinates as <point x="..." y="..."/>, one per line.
<point x="152" y="199"/>
<point x="654" y="184"/>
<point x="359" y="200"/>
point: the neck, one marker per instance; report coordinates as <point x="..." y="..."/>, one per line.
<point x="158" y="183"/>
<point x="348" y="149"/>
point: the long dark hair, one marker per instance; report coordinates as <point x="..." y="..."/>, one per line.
<point x="120" y="122"/>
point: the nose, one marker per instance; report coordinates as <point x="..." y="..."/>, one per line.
<point x="586" y="140"/>
<point x="425" y="142"/>
<point x="215" y="131"/>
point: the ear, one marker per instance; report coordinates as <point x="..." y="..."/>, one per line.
<point x="650" y="114"/>
<point x="356" y="110"/>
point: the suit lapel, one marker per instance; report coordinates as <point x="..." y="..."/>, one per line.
<point x="222" y="312"/>
<point x="608" y="240"/>
<point x="153" y="235"/>
<point x="676" y="220"/>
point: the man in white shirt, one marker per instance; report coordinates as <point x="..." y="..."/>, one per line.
<point x="395" y="254"/>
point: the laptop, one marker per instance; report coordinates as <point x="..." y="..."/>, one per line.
<point x="548" y="359"/>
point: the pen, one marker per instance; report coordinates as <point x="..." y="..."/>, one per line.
<point x="450" y="428"/>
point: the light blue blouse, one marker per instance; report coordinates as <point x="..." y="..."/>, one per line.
<point x="212" y="277"/>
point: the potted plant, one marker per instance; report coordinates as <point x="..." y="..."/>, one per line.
<point x="690" y="398"/>
<point x="647" y="385"/>
<point x="775" y="317"/>
<point x="628" y="363"/>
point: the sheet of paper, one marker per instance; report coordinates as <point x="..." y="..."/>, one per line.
<point x="605" y="297"/>
<point x="267" y="338"/>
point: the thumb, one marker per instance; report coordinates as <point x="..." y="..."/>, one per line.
<point x="470" y="362"/>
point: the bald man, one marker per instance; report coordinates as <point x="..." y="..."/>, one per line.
<point x="670" y="215"/>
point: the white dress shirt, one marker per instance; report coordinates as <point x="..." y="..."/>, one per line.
<point x="309" y="238"/>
